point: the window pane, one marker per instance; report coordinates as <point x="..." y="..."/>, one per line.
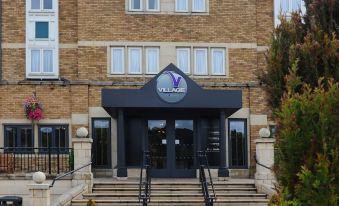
<point x="152" y="60"/>
<point x="46" y="136"/>
<point x="48" y="61"/>
<point x="35" y="4"/>
<point x="135" y="60"/>
<point x="198" y="5"/>
<point x="117" y="60"/>
<point x="153" y="4"/>
<point x="35" y="61"/>
<point x="181" y="5"/>
<point x="60" y="137"/>
<point x="201" y="61"/>
<point x="41" y="29"/>
<point x="183" y="58"/>
<point x="296" y="5"/>
<point x="101" y="143"/>
<point x="136" y="4"/>
<point x="218" y="59"/>
<point x="26" y="137"/>
<point x="10" y="135"/>
<point x="238" y="143"/>
<point x="48" y="4"/>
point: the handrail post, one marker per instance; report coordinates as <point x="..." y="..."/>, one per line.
<point x="49" y="160"/>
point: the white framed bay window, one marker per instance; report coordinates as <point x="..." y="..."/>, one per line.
<point x="152" y="60"/>
<point x="184" y="59"/>
<point x="135" y="60"/>
<point x="200" y="61"/>
<point x="218" y="63"/>
<point x="42" y="39"/>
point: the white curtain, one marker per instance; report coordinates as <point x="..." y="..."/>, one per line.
<point x="35" y="4"/>
<point x="218" y="62"/>
<point x="153" y="4"/>
<point x="201" y="61"/>
<point x="134" y="60"/>
<point x="181" y="5"/>
<point x="183" y="60"/>
<point x="48" y="61"/>
<point x="152" y="60"/>
<point x="48" y="4"/>
<point x="136" y="4"/>
<point x="296" y="5"/>
<point x="284" y="6"/>
<point x="118" y="60"/>
<point x="35" y="61"/>
<point x="198" y="5"/>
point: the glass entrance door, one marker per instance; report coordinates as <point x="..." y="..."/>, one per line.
<point x="171" y="143"/>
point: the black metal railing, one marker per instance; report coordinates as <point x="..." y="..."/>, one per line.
<point x="209" y="196"/>
<point x="145" y="183"/>
<point x="68" y="173"/>
<point x="50" y="160"/>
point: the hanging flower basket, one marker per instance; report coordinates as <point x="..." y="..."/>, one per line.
<point x="33" y="108"/>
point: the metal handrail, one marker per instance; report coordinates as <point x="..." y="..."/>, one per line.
<point x="145" y="185"/>
<point x="69" y="173"/>
<point x="209" y="198"/>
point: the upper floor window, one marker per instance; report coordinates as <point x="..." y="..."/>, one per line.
<point x="199" y="6"/>
<point x="184" y="59"/>
<point x="181" y="5"/>
<point x="41" y="4"/>
<point x="42" y="39"/>
<point x="287" y="7"/>
<point x="135" y="5"/>
<point x="152" y="5"/>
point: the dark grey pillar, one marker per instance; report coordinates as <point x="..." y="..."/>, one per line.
<point x="122" y="170"/>
<point x="223" y="170"/>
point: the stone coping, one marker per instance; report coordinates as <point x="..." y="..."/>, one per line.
<point x="81" y="140"/>
<point x="265" y="140"/>
<point x="29" y="176"/>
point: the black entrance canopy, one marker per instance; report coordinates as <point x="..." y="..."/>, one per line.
<point x="147" y="97"/>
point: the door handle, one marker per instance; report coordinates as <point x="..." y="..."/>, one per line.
<point x="177" y="141"/>
<point x="163" y="141"/>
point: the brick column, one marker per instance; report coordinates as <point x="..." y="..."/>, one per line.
<point x="82" y="156"/>
<point x="264" y="177"/>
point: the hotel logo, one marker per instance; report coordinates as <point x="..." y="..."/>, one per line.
<point x="171" y="87"/>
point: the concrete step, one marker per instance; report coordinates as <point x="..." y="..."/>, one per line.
<point x="221" y="190"/>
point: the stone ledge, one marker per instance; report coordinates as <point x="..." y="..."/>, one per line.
<point x="66" y="198"/>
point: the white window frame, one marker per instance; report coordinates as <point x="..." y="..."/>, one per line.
<point x="123" y="60"/>
<point x="41" y="63"/>
<point x="147" y="6"/>
<point x="198" y="11"/>
<point x="223" y="50"/>
<point x="147" y="49"/>
<point x="132" y="9"/>
<point x="52" y="43"/>
<point x="29" y="2"/>
<point x="277" y="10"/>
<point x="129" y="60"/>
<point x="195" y="62"/>
<point x="176" y="7"/>
<point x="188" y="58"/>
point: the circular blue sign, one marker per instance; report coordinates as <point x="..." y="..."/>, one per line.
<point x="171" y="87"/>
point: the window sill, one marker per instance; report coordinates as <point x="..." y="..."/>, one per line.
<point x="42" y="76"/>
<point x="167" y="13"/>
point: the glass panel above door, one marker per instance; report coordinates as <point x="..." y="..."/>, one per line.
<point x="157" y="143"/>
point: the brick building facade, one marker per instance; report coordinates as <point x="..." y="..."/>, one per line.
<point x="85" y="35"/>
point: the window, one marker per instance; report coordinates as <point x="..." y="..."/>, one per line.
<point x="101" y="148"/>
<point x="41" y="30"/>
<point x="135" y="60"/>
<point x="118" y="59"/>
<point x="54" y="137"/>
<point x="218" y="61"/>
<point x="183" y="59"/>
<point x="237" y="143"/>
<point x="42" y="39"/>
<point x="181" y="5"/>
<point x="19" y="137"/>
<point x="41" y="61"/>
<point x="135" y="5"/>
<point x="200" y="61"/>
<point x="152" y="60"/>
<point x="38" y="4"/>
<point x="152" y="5"/>
<point x="286" y="7"/>
<point x="199" y="6"/>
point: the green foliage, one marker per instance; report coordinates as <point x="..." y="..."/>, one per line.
<point x="307" y="147"/>
<point x="312" y="40"/>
